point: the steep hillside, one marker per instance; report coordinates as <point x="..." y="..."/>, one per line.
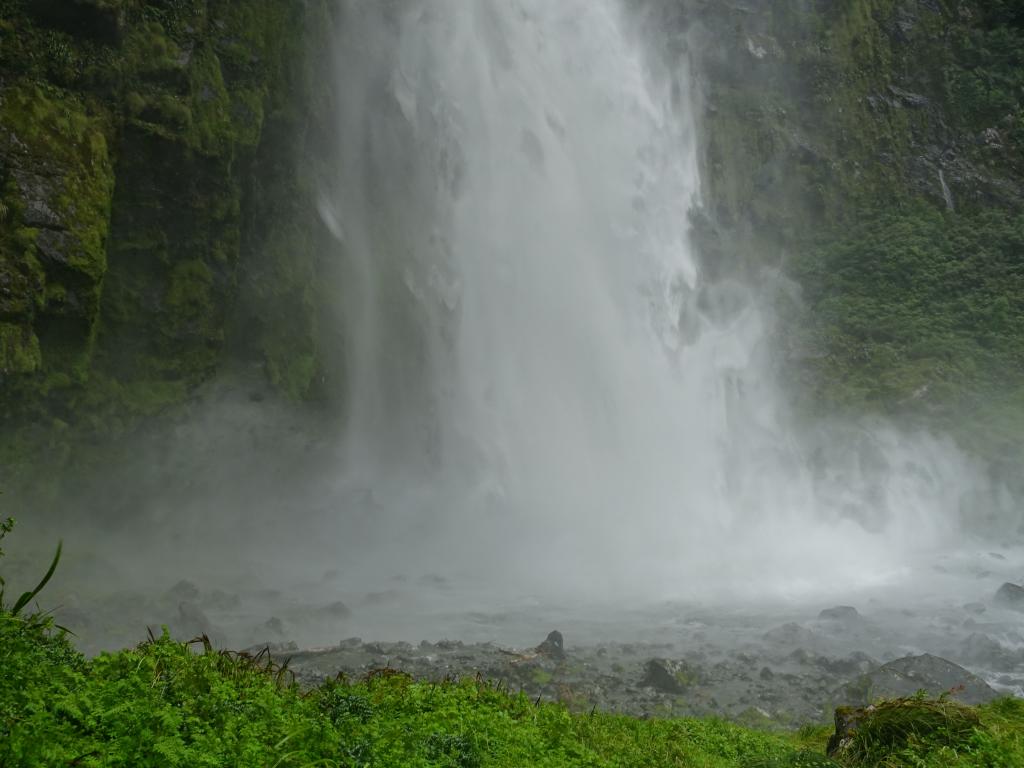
<point x="156" y="176"/>
<point x="874" y="151"/>
<point x="158" y="168"/>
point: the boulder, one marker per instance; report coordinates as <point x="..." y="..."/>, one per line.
<point x="1010" y="596"/>
<point x="979" y="648"/>
<point x="907" y="676"/>
<point x="792" y="635"/>
<point x="890" y="726"/>
<point x="669" y="676"/>
<point x="553" y="646"/>
<point x="841" y="613"/>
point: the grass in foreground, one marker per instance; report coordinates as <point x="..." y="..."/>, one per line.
<point x="167" y="703"/>
<point x="171" y="704"/>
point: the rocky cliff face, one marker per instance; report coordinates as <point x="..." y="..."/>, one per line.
<point x="156" y="219"/>
<point x="155" y="195"/>
<point x="873" y="152"/>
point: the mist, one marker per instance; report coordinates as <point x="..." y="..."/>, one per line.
<point x="554" y="408"/>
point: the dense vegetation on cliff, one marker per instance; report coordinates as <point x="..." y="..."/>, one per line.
<point x="154" y="197"/>
<point x="874" y="150"/>
<point x="156" y="217"/>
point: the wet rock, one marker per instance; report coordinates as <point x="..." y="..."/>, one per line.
<point x="855" y="664"/>
<point x="1010" y="596"/>
<point x="791" y="634"/>
<point x="351" y="643"/>
<point x="219" y="600"/>
<point x="903" y="98"/>
<point x="801" y="656"/>
<point x="907" y="676"/>
<point x="39" y="214"/>
<point x="842" y="614"/>
<point x="979" y="648"/>
<point x="669" y="676"/>
<point x="553" y="646"/>
<point x="766" y="674"/>
<point x="184" y="590"/>
<point x="336" y="610"/>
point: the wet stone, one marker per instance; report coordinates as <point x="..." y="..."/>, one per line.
<point x="1010" y="596"/>
<point x="184" y="590"/>
<point x="668" y="676"/>
<point x="553" y="646"/>
<point x="336" y="610"/>
<point x="907" y="676"/>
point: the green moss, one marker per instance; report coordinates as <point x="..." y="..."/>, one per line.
<point x="19" y="350"/>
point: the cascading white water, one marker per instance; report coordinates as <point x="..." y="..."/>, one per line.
<point x="542" y="381"/>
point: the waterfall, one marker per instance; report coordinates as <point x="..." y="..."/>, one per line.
<point x="543" y="384"/>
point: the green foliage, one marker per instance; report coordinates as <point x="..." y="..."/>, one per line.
<point x="6" y="526"/>
<point x="19" y="350"/>
<point x="986" y="79"/>
<point x="166" y="703"/>
<point x="906" y="732"/>
<point x="921" y="313"/>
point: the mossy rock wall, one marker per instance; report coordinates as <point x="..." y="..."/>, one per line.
<point x="155" y="189"/>
<point x="873" y="152"/>
<point x="156" y="216"/>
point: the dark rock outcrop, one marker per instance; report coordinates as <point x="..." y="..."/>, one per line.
<point x="1010" y="596"/>
<point x="845" y="614"/>
<point x="907" y="676"/>
<point x="669" y="676"/>
<point x="553" y="646"/>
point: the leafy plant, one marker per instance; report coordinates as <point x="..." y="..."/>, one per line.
<point x="26" y="597"/>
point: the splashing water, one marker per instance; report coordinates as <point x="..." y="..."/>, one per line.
<point x="544" y="386"/>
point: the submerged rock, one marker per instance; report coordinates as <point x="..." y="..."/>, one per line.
<point x="184" y="590"/>
<point x="907" y="676"/>
<point x="1010" y="596"/>
<point x="841" y="613"/>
